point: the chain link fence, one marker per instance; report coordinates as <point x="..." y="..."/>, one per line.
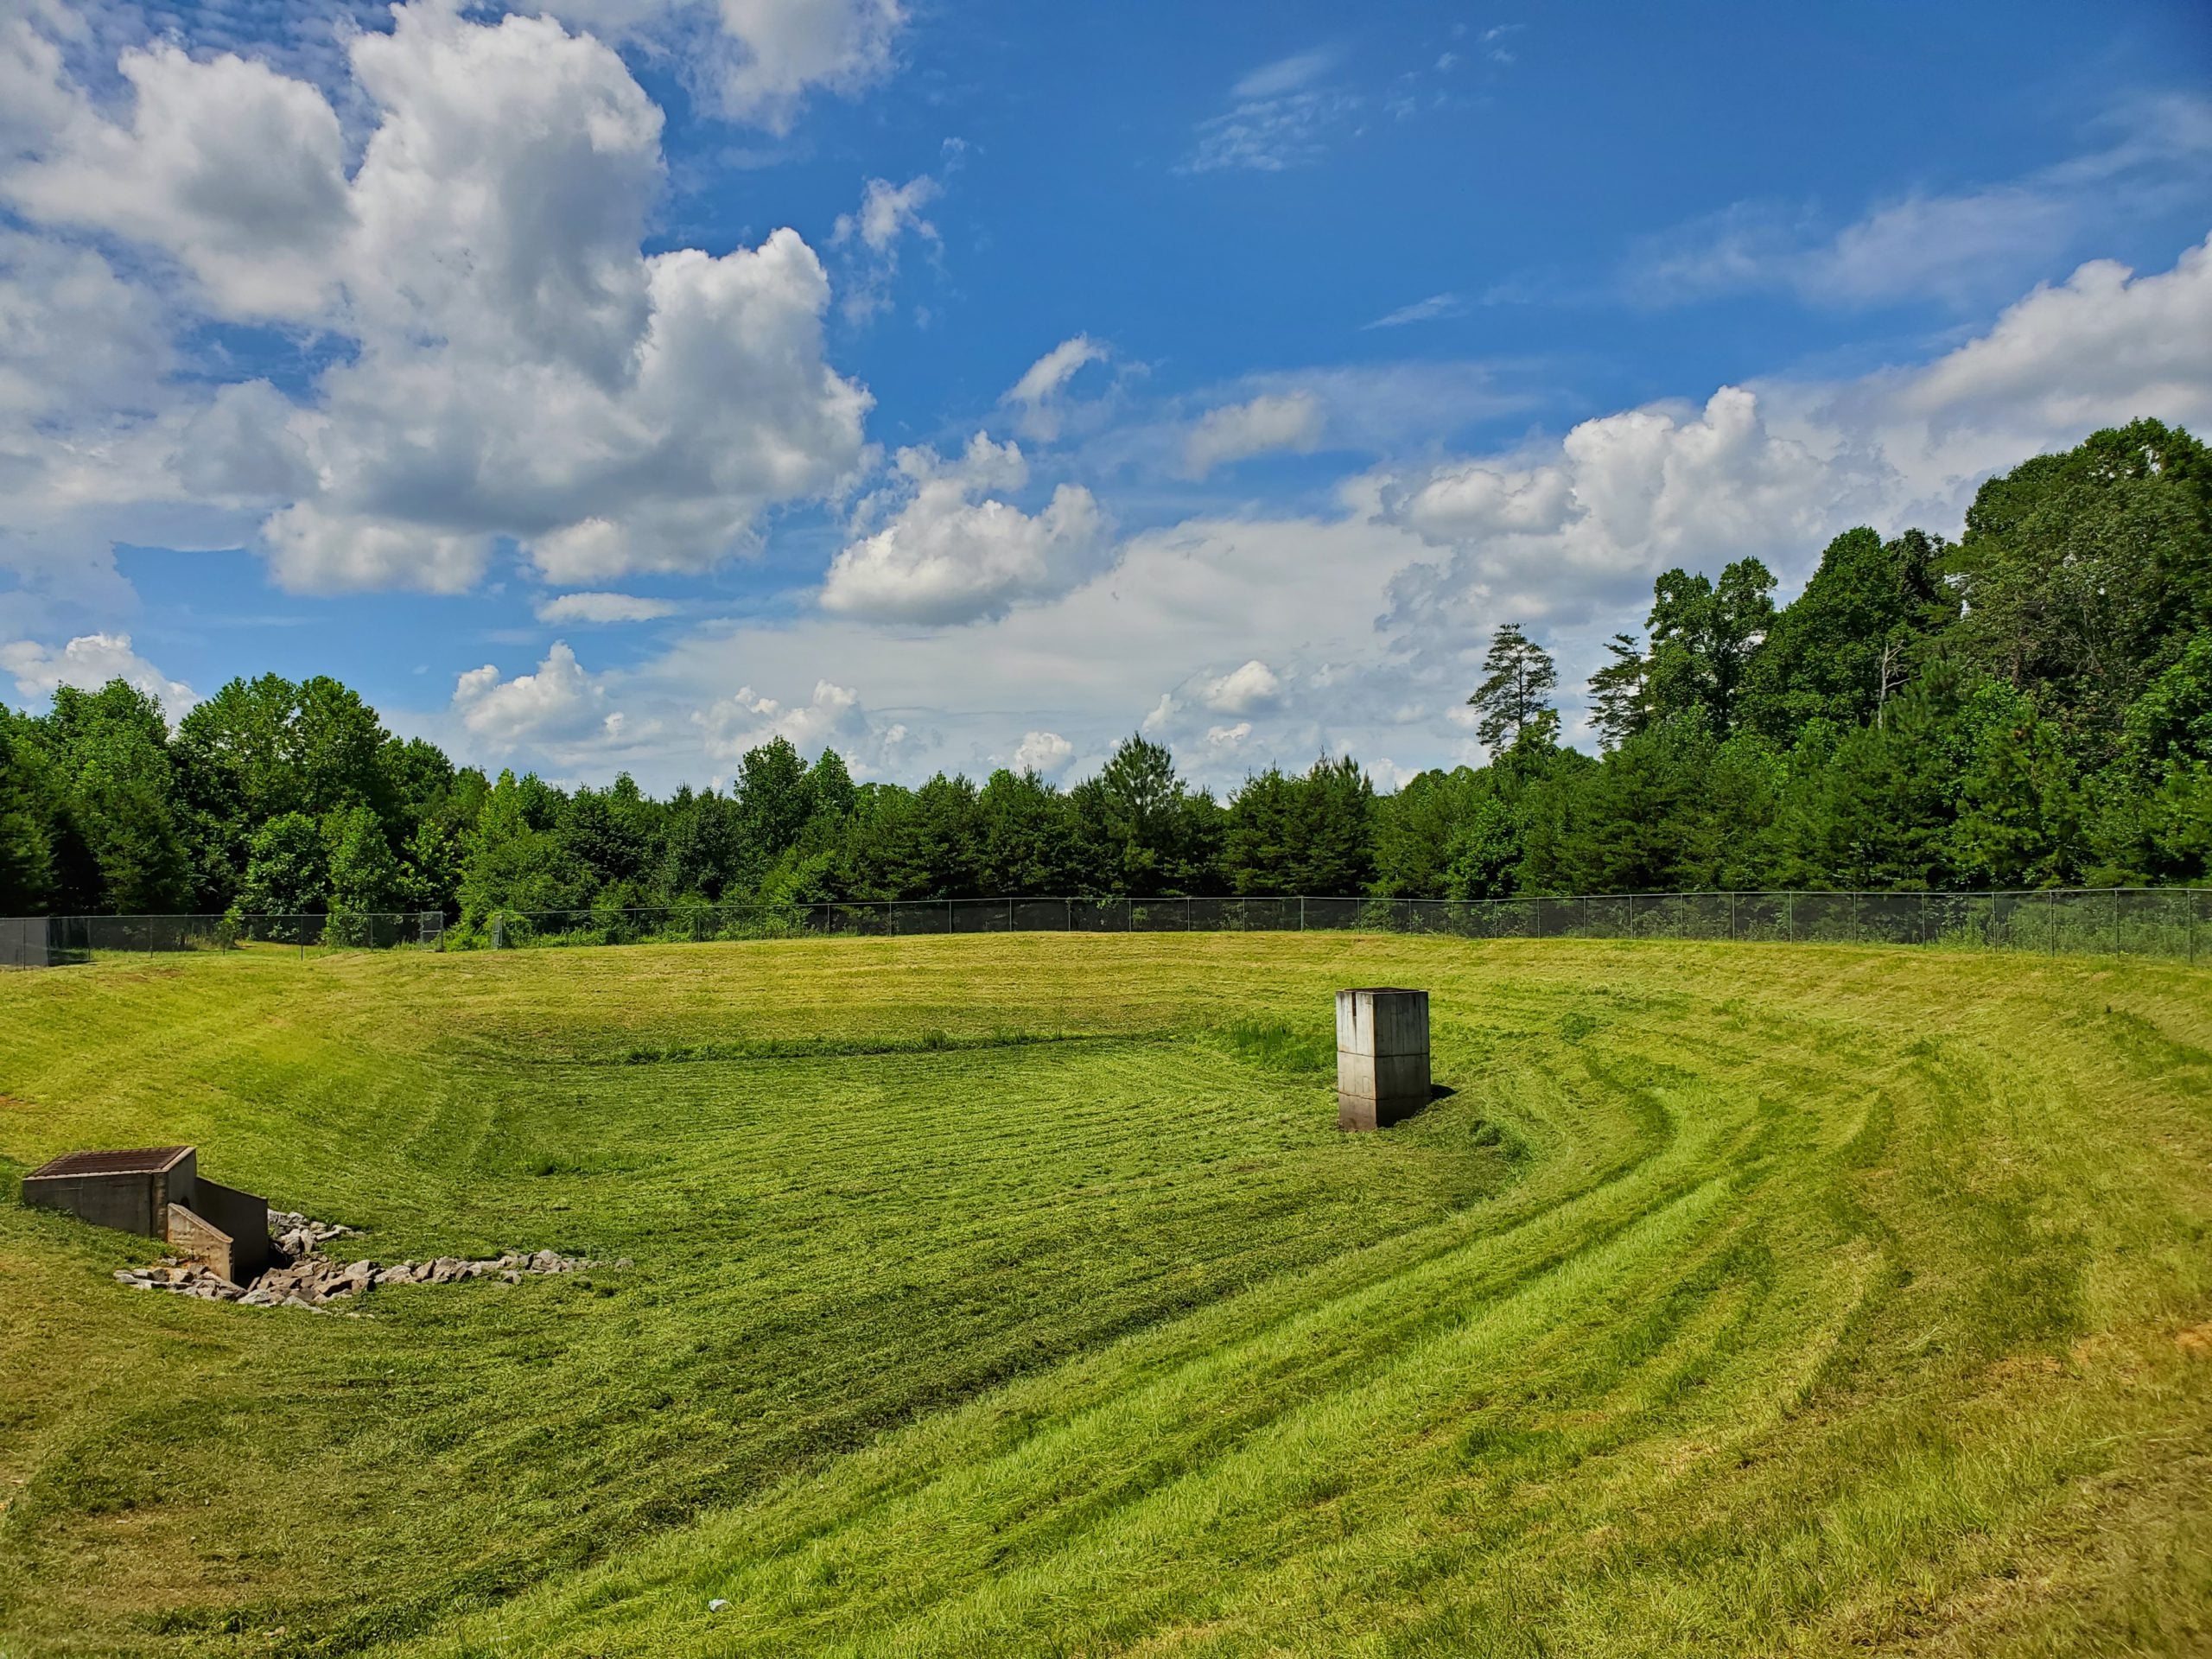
<point x="2169" y="922"/>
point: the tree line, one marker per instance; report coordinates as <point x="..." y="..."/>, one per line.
<point x="2030" y="705"/>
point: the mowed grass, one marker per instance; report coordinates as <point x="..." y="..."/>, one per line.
<point x="1018" y="1295"/>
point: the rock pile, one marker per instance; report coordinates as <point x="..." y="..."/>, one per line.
<point x="313" y="1280"/>
<point x="186" y="1278"/>
<point x="297" y="1235"/>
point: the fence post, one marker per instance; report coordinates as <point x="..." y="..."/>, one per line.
<point x="1924" y="918"/>
<point x="2192" y="927"/>
<point x="1732" y="917"/>
<point x="2115" y="921"/>
<point x="1631" y="915"/>
<point x="1301" y="912"/>
<point x="1790" y="916"/>
<point x="2049" y="920"/>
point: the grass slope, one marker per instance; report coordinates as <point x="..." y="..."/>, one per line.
<point x="1018" y="1294"/>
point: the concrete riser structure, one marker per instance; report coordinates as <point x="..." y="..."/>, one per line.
<point x="1382" y="1070"/>
<point x="158" y="1192"/>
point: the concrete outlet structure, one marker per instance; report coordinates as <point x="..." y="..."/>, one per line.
<point x="1382" y="1056"/>
<point x="159" y="1192"/>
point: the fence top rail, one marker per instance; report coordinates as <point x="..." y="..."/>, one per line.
<point x="688" y="908"/>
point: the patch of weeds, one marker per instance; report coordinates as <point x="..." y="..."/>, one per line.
<point x="1500" y="1138"/>
<point x="827" y="1048"/>
<point x="1272" y="1047"/>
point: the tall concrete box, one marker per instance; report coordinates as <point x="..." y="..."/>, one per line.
<point x="1381" y="1056"/>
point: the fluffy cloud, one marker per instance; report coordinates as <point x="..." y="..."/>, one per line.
<point x="89" y="662"/>
<point x="1570" y="533"/>
<point x="1370" y="619"/>
<point x="787" y="46"/>
<point x="1084" y="666"/>
<point x="602" y="608"/>
<point x="2104" y="346"/>
<point x="312" y="549"/>
<point x="1242" y="689"/>
<point x="1045" y="753"/>
<point x="1589" y="523"/>
<point x="75" y="339"/>
<point x="89" y="423"/>
<point x="233" y="170"/>
<point x="1270" y="422"/>
<point x="518" y="368"/>
<point x="1039" y="399"/>
<point x="559" y="703"/>
<point x="755" y="61"/>
<point x="950" y="554"/>
<point x="831" y="718"/>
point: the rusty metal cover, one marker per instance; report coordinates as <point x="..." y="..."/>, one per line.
<point x="138" y="1160"/>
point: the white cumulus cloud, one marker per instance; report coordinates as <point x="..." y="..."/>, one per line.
<point x="559" y="703"/>
<point x="1619" y="499"/>
<point x="1270" y="422"/>
<point x="233" y="169"/>
<point x="951" y="553"/>
<point x="1241" y="691"/>
<point x="517" y="367"/>
<point x="755" y="61"/>
<point x="1045" y="753"/>
<point x="2102" y="346"/>
<point x="89" y="662"/>
<point x="832" y="717"/>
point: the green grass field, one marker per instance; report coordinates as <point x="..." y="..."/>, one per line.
<point x="1018" y="1295"/>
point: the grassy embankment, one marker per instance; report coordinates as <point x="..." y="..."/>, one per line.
<point x="1019" y="1295"/>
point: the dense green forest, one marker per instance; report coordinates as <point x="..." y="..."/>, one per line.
<point x="2029" y="706"/>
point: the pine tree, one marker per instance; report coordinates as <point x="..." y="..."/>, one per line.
<point x="1620" y="692"/>
<point x="1515" y="695"/>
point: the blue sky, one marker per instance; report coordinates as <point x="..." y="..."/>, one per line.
<point x="970" y="385"/>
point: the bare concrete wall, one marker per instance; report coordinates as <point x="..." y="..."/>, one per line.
<point x="244" y="1217"/>
<point x="197" y="1239"/>
<point x="1382" y="1073"/>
